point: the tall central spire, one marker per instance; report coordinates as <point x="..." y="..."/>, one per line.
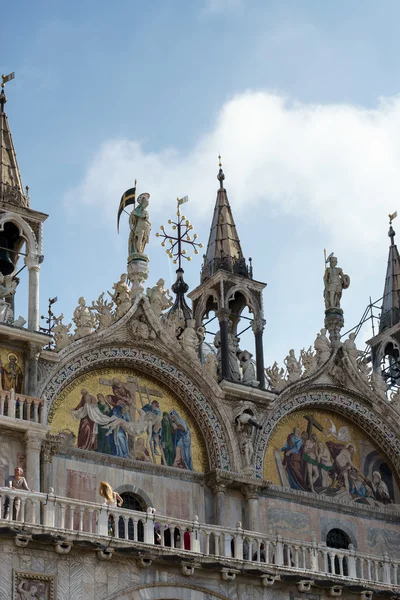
<point x="223" y="250"/>
<point x="11" y="190"/>
<point x="391" y="296"/>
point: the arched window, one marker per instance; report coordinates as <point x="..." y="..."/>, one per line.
<point x="339" y="540"/>
<point x="132" y="502"/>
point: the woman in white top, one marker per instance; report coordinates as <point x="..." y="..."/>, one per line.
<point x="111" y="498"/>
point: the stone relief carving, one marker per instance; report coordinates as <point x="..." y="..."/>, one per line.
<point x="61" y="333"/>
<point x="159" y="298"/>
<point x="84" y="319"/>
<point x="30" y="586"/>
<point x="121" y="296"/>
<point x="104" y="317"/>
<point x="141" y="330"/>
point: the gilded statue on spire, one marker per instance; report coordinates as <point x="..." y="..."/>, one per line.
<point x="140" y="226"/>
<point x="334" y="281"/>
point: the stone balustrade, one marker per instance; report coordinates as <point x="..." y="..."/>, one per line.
<point x="64" y="516"/>
<point x="24" y="408"/>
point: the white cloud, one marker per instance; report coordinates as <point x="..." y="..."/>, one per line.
<point x="337" y="164"/>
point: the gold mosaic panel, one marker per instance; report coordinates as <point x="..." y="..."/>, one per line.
<point x="323" y="452"/>
<point x="178" y="444"/>
<point x="12" y="371"/>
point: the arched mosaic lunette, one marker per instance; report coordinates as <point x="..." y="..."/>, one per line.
<point x="366" y="418"/>
<point x="168" y="374"/>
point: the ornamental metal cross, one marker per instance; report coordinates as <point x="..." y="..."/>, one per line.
<point x="182" y="226"/>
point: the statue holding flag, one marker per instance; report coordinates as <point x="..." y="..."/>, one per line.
<point x="140" y="226"/>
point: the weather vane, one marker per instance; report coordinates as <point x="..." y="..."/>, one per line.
<point x="392" y="217"/>
<point x="5" y="78"/>
<point x="182" y="227"/>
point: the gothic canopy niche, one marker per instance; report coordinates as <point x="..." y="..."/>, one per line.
<point x="313" y="446"/>
<point x="169" y="407"/>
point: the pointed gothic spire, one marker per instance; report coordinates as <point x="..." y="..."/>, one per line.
<point x="11" y="190"/>
<point x="223" y="250"/>
<point x="390" y="314"/>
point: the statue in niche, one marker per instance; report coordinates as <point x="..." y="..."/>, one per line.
<point x="8" y="287"/>
<point x="248" y="370"/>
<point x="121" y="296"/>
<point x="191" y="339"/>
<point x="61" y="333"/>
<point x="12" y="377"/>
<point x="308" y="360"/>
<point x="84" y="319"/>
<point x="140" y="226"/>
<point x="246" y="444"/>
<point x="322" y="348"/>
<point x="159" y="298"/>
<point x="103" y="308"/>
<point x="293" y="367"/>
<point x="140" y="329"/>
<point x="334" y="281"/>
<point x="233" y="345"/>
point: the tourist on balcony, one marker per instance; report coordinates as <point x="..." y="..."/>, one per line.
<point x="111" y="498"/>
<point x="19" y="483"/>
<point x="186" y="539"/>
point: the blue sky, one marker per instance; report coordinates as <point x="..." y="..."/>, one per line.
<point x="299" y="97"/>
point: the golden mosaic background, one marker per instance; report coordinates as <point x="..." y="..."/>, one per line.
<point x="5" y="353"/>
<point x="324" y="418"/>
<point x="60" y="416"/>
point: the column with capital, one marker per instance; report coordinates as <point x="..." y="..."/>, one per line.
<point x="258" y="329"/>
<point x="33" y="445"/>
<point x="32" y="261"/>
<point x="223" y="318"/>
<point x="250" y="492"/>
<point x="33" y="356"/>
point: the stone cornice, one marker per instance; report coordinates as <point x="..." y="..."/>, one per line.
<point x="65" y="451"/>
<point x="332" y="504"/>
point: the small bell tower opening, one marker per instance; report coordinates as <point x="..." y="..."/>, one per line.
<point x="228" y="290"/>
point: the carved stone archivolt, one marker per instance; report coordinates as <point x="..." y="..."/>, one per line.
<point x="203" y="411"/>
<point x="367" y="418"/>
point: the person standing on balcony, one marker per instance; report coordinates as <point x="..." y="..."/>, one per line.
<point x="111" y="498"/>
<point x="19" y="483"/>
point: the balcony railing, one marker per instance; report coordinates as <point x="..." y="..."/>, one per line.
<point x="65" y="516"/>
<point x="24" y="408"/>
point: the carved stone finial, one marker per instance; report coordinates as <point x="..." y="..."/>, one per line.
<point x="104" y="316"/>
<point x="276" y="377"/>
<point x="61" y="334"/>
<point x="308" y="361"/>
